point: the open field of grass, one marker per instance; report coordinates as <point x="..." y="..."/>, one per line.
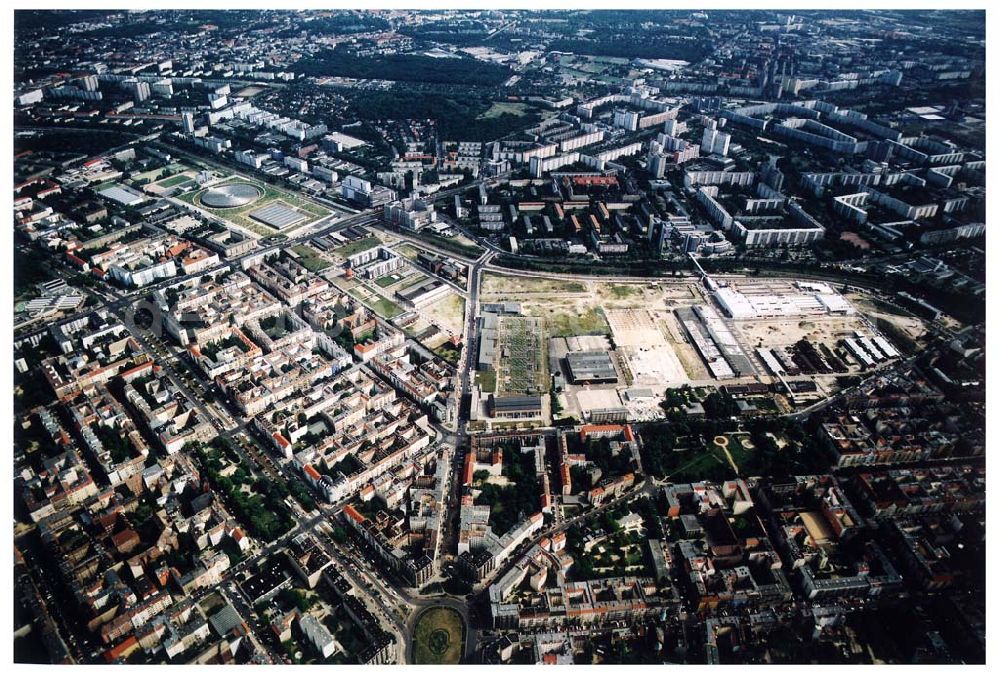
<point x="388" y="280"/>
<point x="384" y="307"/>
<point x="589" y="322"/>
<point x="459" y="244"/>
<point x="698" y="462"/>
<point x="408" y="251"/>
<point x="504" y="108"/>
<point x="502" y="284"/>
<point x="622" y="291"/>
<point x="357" y="246"/>
<point x="487" y="380"/>
<point x="438" y="637"/>
<point x="148" y="176"/>
<point x="310" y="258"/>
<point x="174" y="181"/>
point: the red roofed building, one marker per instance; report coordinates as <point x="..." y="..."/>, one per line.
<point x="122" y="650"/>
<point x="600" y="431"/>
<point x="565" y="481"/>
<point x="596" y="496"/>
<point x="558" y="541"/>
<point x="241" y="540"/>
<point x="352" y="513"/>
<point x="78" y="261"/>
<point x="468" y="469"/>
<point x="125" y="541"/>
<point x="283" y="444"/>
<point x="595" y="180"/>
<point x="546" y="501"/>
<point x="137" y="371"/>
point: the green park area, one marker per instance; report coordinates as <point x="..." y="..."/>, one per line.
<point x="388" y="280"/>
<point x="437" y="637"/>
<point x="505" y="108"/>
<point x="384" y="307"/>
<point x="174" y="181"/>
<point x="357" y="246"/>
<point x="310" y="258"/>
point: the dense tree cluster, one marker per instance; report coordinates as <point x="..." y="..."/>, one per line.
<point x="337" y="24"/>
<point x="599" y="451"/>
<point x="682" y="450"/>
<point x="636" y="46"/>
<point x="263" y="510"/>
<point x="295" y="598"/>
<point x="510" y="503"/>
<point x="456" y="110"/>
<point x="302" y="494"/>
<point x="719" y="405"/>
<point x="403" y="68"/>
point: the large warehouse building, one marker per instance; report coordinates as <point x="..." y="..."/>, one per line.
<point x="591" y="368"/>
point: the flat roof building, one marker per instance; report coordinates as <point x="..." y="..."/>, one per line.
<point x="277" y="215"/>
<point x="591" y="368"/>
<point x="515" y="407"/>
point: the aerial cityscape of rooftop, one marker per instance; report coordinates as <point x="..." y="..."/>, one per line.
<point x="496" y="336"/>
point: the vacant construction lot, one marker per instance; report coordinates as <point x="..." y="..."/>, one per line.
<point x="649" y="357"/>
<point x="784" y="332"/>
<point x="448" y="313"/>
<point x="504" y="285"/>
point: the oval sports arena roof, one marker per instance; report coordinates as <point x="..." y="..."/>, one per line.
<point x="230" y="196"/>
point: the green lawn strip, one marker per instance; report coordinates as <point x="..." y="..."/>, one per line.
<point x="173" y="181"/>
<point x="387" y="280"/>
<point x="384" y="307"/>
<point x="310" y="259"/>
<point x="387" y="309"/>
<point x="407" y="251"/>
<point x="357" y="246"/>
<point x="412" y="281"/>
<point x="504" y="108"/>
<point x="487" y="380"/>
<point x="623" y="291"/>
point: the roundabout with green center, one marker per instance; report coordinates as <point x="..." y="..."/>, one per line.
<point x="438" y="637"/>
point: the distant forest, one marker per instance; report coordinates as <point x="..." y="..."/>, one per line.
<point x="639" y="47"/>
<point x="457" y="112"/>
<point x="404" y="68"/>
